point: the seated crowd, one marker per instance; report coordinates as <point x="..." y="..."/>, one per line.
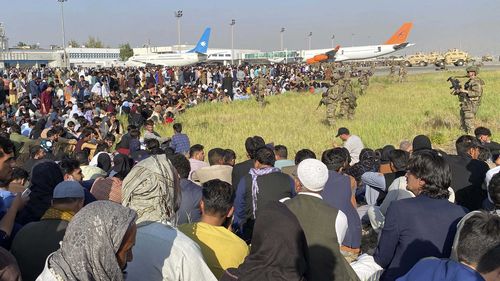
<point x="152" y="207"/>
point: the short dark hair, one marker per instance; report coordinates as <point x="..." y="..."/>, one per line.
<point x="19" y="173"/>
<point x="482" y="131"/>
<point x="82" y="157"/>
<point x="281" y="151"/>
<point x="6" y="146"/>
<point x="152" y="144"/>
<point x="494" y="190"/>
<point x="177" y="127"/>
<point x="466" y="142"/>
<point x="34" y="150"/>
<point x="335" y="159"/>
<point x="229" y="155"/>
<point x="68" y="165"/>
<point x="149" y="123"/>
<point x="110" y="137"/>
<point x="181" y="164"/>
<point x="218" y="197"/>
<point x="399" y="159"/>
<point x="215" y="155"/>
<point x="252" y="144"/>
<point x="135" y="133"/>
<point x="480" y="233"/>
<point x="195" y="148"/>
<point x="87" y="131"/>
<point x="433" y="170"/>
<point x="304" y="154"/>
<point x="265" y="155"/>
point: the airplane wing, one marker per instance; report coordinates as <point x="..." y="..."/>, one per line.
<point x="328" y="56"/>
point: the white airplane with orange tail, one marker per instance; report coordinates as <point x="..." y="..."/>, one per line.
<point x="395" y="43"/>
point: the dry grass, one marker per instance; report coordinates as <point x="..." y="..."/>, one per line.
<point x="387" y="114"/>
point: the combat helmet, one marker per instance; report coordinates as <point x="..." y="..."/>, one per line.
<point x="472" y="68"/>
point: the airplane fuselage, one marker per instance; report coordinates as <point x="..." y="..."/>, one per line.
<point x="174" y="59"/>
<point x="357" y="53"/>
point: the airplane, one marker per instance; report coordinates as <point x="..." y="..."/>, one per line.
<point x="395" y="43"/>
<point x="195" y="55"/>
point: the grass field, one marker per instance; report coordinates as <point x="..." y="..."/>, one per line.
<point x="388" y="113"/>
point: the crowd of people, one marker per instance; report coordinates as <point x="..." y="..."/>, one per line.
<point x="84" y="198"/>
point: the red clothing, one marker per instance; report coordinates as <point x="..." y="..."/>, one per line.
<point x="46" y="99"/>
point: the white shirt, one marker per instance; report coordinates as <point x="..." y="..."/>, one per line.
<point x="354" y="145"/>
<point x="162" y="252"/>
<point x="340" y="223"/>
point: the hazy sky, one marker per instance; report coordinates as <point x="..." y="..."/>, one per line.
<point x="473" y="25"/>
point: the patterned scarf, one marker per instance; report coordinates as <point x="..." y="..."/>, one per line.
<point x="92" y="239"/>
<point x="255" y="187"/>
<point x="56" y="214"/>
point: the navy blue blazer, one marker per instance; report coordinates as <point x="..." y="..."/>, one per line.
<point x="416" y="228"/>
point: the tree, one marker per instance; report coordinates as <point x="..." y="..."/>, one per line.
<point x="94" y="42"/>
<point x="126" y="52"/>
<point x="73" y="44"/>
<point x="21" y="44"/>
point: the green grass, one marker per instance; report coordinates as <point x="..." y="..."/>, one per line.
<point x="387" y="114"/>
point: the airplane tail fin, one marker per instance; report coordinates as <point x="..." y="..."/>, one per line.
<point x="401" y="35"/>
<point x="202" y="45"/>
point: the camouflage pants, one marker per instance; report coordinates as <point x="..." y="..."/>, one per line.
<point x="330" y="113"/>
<point x="467" y="115"/>
<point x="402" y="78"/>
<point x="343" y="109"/>
<point x="351" y="107"/>
<point x="363" y="89"/>
<point x="260" y="98"/>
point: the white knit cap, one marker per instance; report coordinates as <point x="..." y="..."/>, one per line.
<point x="313" y="174"/>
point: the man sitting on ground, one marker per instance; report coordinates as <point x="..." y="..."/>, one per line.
<point x="37" y="240"/>
<point x="221" y="248"/>
<point x="282" y="157"/>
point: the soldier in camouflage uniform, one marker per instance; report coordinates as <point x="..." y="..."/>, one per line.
<point x="261" y="86"/>
<point x="364" y="82"/>
<point x="470" y="98"/>
<point x="348" y="99"/>
<point x="392" y="72"/>
<point x="403" y="73"/>
<point x="331" y="100"/>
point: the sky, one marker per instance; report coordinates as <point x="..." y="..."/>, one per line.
<point x="473" y="25"/>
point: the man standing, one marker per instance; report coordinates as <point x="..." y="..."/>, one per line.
<point x="470" y="98"/>
<point x="352" y="143"/>
<point x="261" y="89"/>
<point x="324" y="226"/>
<point x="46" y="99"/>
<point x="332" y="99"/>
<point x="180" y="142"/>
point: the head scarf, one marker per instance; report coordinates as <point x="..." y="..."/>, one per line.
<point x="92" y="239"/>
<point x="104" y="162"/>
<point x="279" y="247"/>
<point x="121" y="165"/>
<point x="254" y="173"/>
<point x="45" y="176"/>
<point x="152" y="189"/>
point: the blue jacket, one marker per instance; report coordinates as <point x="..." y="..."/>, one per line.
<point x="416" y="228"/>
<point x="433" y="269"/>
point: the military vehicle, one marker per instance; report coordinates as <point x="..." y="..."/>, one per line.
<point x="418" y="59"/>
<point x="456" y="57"/>
<point x="487" y="58"/>
<point x="435" y="58"/>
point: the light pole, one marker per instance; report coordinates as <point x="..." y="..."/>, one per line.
<point x="333" y="37"/>
<point x="309" y="37"/>
<point x="233" y="22"/>
<point x="65" y="57"/>
<point x="281" y="37"/>
<point x="178" y="15"/>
